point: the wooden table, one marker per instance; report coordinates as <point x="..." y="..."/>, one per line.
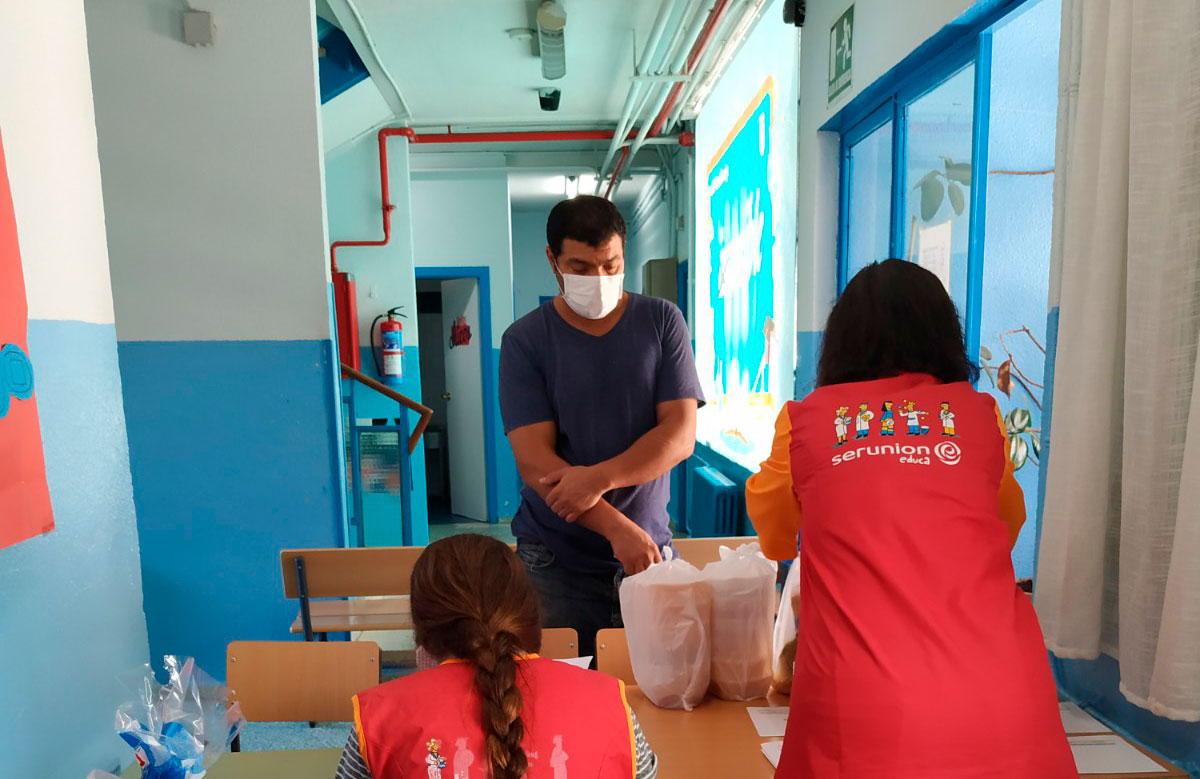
<point x="718" y="738"/>
<point x="294" y="764"/>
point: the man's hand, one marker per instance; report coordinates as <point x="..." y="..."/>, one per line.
<point x="574" y="490"/>
<point x="634" y="549"/>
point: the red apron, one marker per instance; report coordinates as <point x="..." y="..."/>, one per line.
<point x="427" y="726"/>
<point x="919" y="657"/>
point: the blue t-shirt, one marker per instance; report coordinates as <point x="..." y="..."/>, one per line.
<point x="601" y="392"/>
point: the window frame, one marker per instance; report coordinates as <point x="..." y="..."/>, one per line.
<point x="964" y="42"/>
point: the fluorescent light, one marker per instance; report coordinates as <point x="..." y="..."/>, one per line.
<point x="572" y="187"/>
<point x="555" y="185"/>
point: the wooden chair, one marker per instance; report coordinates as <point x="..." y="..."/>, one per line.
<point x="702" y="551"/>
<point x="559" y="643"/>
<point x="365" y="573"/>
<point x="295" y="681"/>
<point x="612" y="654"/>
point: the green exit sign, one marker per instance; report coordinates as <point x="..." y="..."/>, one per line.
<point x="841" y="43"/>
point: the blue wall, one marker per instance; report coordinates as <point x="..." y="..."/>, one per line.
<point x="71" y="611"/>
<point x="233" y="452"/>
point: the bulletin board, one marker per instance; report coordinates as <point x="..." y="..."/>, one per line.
<point x="25" y="509"/>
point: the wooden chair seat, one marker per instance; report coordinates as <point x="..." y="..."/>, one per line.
<point x="333" y="616"/>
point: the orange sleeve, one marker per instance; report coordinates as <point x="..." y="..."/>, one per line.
<point x="1012" y="497"/>
<point x="771" y="500"/>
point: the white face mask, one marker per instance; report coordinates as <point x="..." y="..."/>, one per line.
<point x="593" y="297"/>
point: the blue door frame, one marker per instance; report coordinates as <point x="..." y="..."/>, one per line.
<point x="487" y="366"/>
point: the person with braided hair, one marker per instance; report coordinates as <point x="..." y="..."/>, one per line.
<point x="492" y="709"/>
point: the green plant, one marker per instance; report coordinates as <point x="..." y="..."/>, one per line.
<point x="937" y="185"/>
<point x="1023" y="439"/>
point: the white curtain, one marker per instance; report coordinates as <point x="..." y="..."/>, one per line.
<point x="1119" y="562"/>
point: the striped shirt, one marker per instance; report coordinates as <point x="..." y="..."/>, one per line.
<point x="353" y="766"/>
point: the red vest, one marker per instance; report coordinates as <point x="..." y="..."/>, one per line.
<point x="427" y="725"/>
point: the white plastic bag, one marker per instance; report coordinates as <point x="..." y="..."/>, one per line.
<point x="783" y="646"/>
<point x="743" y="611"/>
<point x="666" y="610"/>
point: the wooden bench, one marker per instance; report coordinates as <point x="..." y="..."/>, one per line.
<point x="378" y="577"/>
<point x="294" y="681"/>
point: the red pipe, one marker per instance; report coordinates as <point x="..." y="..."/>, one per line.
<point x="702" y="41"/>
<point x="453" y="137"/>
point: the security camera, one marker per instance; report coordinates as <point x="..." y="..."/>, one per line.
<point x="549" y="98"/>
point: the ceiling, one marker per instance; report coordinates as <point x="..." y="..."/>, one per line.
<point x="538" y="191"/>
<point x="453" y="62"/>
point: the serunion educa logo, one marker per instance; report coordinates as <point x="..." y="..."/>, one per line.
<point x="948" y="452"/>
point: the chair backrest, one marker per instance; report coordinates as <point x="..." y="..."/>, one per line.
<point x="559" y="643"/>
<point x="300" y="681"/>
<point x="702" y="551"/>
<point x="612" y="654"/>
<point x="335" y="573"/>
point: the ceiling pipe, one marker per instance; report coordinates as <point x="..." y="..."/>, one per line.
<point x="413" y="136"/>
<point x="710" y="66"/>
<point x="635" y="96"/>
<point x="701" y="43"/>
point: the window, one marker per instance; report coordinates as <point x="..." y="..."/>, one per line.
<point x="949" y="162"/>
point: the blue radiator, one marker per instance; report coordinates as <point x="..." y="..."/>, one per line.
<point x="716" y="506"/>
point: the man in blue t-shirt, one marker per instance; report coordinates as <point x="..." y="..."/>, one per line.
<point x="599" y="392"/>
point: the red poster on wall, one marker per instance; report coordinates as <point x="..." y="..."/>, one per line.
<point x="24" y="496"/>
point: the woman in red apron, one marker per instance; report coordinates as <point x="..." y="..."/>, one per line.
<point x="492" y="709"/>
<point x="918" y="657"/>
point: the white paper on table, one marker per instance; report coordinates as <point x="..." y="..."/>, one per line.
<point x="769" y="721"/>
<point x="1075" y="720"/>
<point x="1110" y="755"/>
<point x="578" y="662"/>
<point x="773" y="750"/>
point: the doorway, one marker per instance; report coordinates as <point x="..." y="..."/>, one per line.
<point x="454" y="326"/>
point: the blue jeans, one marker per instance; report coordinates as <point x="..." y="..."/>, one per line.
<point x="572" y="599"/>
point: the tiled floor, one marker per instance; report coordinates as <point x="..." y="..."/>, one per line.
<point x="502" y="530"/>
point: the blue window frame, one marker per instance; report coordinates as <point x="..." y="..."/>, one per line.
<point x="878" y="200"/>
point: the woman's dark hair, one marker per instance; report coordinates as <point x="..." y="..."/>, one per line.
<point x="471" y="600"/>
<point x="894" y="317"/>
<point x="585" y="218"/>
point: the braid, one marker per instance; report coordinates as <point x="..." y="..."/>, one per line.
<point x="496" y="681"/>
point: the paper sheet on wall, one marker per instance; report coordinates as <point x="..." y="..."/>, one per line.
<point x="1076" y="720"/>
<point x="24" y="497"/>
<point x="773" y="750"/>
<point x="934" y="252"/>
<point x="578" y="662"/>
<point x="1110" y="755"/>
<point x="769" y="721"/>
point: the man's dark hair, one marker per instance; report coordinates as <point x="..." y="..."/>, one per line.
<point x="585" y="218"/>
<point x="894" y="317"/>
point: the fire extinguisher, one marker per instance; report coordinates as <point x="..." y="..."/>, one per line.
<point x="389" y="355"/>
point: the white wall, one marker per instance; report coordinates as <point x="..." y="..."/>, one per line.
<point x="463" y="218"/>
<point x="61" y="226"/>
<point x="532" y="277"/>
<point x="212" y="170"/>
<point x="885" y="32"/>
<point x="649" y="235"/>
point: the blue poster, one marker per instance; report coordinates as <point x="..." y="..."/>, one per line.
<point x="741" y="283"/>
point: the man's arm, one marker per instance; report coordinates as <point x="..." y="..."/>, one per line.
<point x="533" y="447"/>
<point x="573" y="490"/>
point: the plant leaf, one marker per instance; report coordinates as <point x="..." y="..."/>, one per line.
<point x="958" y="171"/>
<point x="932" y="194"/>
<point x="1036" y="440"/>
<point x="957" y="201"/>
<point x="985" y="353"/>
<point x="1018" y="451"/>
<point x="1019" y="420"/>
<point x="1004" y="378"/>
